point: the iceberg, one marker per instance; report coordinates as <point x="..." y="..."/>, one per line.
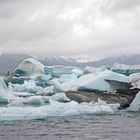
<point x="44" y="77"/>
<point x="57" y="70"/>
<point x="91" y="82"/>
<point x="30" y="66"/>
<point x="23" y="94"/>
<point x="77" y="72"/>
<point x="67" y="77"/>
<point x="28" y="86"/>
<point x="72" y="108"/>
<point x="93" y="70"/>
<point x="88" y="69"/>
<point x="54" y="108"/>
<point x="5" y="94"/>
<point x="125" y="69"/>
<point x="22" y="113"/>
<point x="66" y="86"/>
<point x="46" y="91"/>
<point x="134" y="77"/>
<point x="97" y="81"/>
<point x="135" y="105"/>
<point x="60" y="97"/>
<point x="36" y="100"/>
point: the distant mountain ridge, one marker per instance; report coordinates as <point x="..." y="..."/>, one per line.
<point x="128" y="60"/>
<point x="8" y="62"/>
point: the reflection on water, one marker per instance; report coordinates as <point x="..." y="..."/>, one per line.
<point x="121" y="126"/>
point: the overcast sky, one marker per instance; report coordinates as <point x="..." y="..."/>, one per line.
<point x="98" y="28"/>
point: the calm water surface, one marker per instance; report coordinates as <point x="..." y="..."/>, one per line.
<point x="121" y="126"/>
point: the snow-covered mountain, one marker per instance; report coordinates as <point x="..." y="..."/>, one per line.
<point x="126" y="59"/>
<point x="8" y="62"/>
<point x="58" y="60"/>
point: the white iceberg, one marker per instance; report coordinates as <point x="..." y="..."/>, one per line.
<point x="77" y="72"/>
<point x="31" y="67"/>
<point x="118" y="66"/>
<point x="66" y="86"/>
<point x="36" y="100"/>
<point x="53" y="109"/>
<point x="28" y="86"/>
<point x="45" y="77"/>
<point x="97" y="81"/>
<point x="93" y="70"/>
<point x="125" y="69"/>
<point x="88" y="69"/>
<point x="73" y="108"/>
<point x="61" y="97"/>
<point x="135" y="105"/>
<point x="91" y="82"/>
<point x="22" y="113"/>
<point x="57" y="70"/>
<point x="5" y="94"/>
<point x="134" y="77"/>
<point x="67" y="77"/>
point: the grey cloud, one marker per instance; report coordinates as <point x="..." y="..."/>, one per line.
<point x="125" y="4"/>
<point x="94" y="27"/>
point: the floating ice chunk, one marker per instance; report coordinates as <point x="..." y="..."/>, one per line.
<point x="10" y="86"/>
<point x="18" y="101"/>
<point x="3" y="99"/>
<point x="113" y="107"/>
<point x="2" y="84"/>
<point x="88" y="69"/>
<point x="31" y="66"/>
<point x="66" y="86"/>
<point x="135" y="105"/>
<point x="73" y="108"/>
<point x="5" y="94"/>
<point x="49" y="90"/>
<point x="57" y="70"/>
<point x="84" y="79"/>
<point x="97" y="80"/>
<point x="91" y="82"/>
<point x="109" y="75"/>
<point x="61" y="97"/>
<point x="125" y="69"/>
<point x="35" y="100"/>
<point x="28" y="86"/>
<point x="136" y="84"/>
<point x="94" y="70"/>
<point x="23" y="94"/>
<point x="77" y="72"/>
<point x="46" y="91"/>
<point x="54" y="108"/>
<point x="37" y="115"/>
<point x="118" y="66"/>
<point x="67" y="77"/>
<point x="22" y="113"/>
<point x="45" y="77"/>
<point x="134" y="77"/>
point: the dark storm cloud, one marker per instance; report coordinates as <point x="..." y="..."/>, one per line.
<point x="61" y="27"/>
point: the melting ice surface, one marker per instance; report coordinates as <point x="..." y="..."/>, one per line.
<point x="43" y="94"/>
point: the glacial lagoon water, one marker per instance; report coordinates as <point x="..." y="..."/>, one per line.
<point x="120" y="126"/>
